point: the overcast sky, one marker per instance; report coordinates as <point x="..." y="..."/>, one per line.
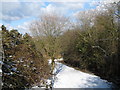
<point x="19" y="13"/>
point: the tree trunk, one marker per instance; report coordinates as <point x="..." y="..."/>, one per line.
<point x="52" y="72"/>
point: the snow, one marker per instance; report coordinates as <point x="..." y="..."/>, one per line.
<point x="35" y="87"/>
<point x="0" y="70"/>
<point x="1" y="62"/>
<point x="14" y="69"/>
<point x="68" y="77"/>
<point x="60" y="59"/>
<point x="56" y="60"/>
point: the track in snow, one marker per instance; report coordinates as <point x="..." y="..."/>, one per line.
<point x="68" y="77"/>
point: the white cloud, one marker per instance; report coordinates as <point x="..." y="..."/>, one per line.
<point x="69" y="0"/>
<point x="62" y="7"/>
<point x="23" y="28"/>
<point x="15" y="9"/>
<point x="46" y="0"/>
<point x="11" y="11"/>
<point x="8" y="26"/>
<point x="48" y="9"/>
<point x="0" y="25"/>
<point x="8" y="18"/>
<point x="74" y="5"/>
<point x="101" y="6"/>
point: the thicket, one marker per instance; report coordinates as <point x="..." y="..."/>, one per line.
<point x="23" y="66"/>
<point x="96" y="47"/>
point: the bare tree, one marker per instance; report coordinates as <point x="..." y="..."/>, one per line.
<point x="47" y="31"/>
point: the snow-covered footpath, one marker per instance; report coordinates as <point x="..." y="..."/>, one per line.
<point x="68" y="77"/>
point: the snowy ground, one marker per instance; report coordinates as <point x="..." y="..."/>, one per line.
<point x="68" y="77"/>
